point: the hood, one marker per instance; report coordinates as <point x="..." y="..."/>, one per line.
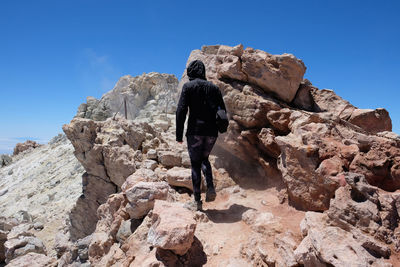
<point x="195" y="70"/>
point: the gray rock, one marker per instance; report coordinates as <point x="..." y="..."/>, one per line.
<point x="150" y="164"/>
<point x="22" y="245"/>
<point x="83" y="247"/>
<point x="5" y="160"/>
<point x="38" y="226"/>
<point x="22" y="229"/>
<point x="169" y="158"/>
<point x="138" y="92"/>
<point x="152" y="154"/>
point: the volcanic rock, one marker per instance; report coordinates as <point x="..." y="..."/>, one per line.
<point x="141" y="175"/>
<point x="22" y="245"/>
<point x="169" y="158"/>
<point x="137" y="92"/>
<point x="21" y="147"/>
<point x="333" y="246"/>
<point x="172" y="227"/>
<point x="178" y="176"/>
<point x="5" y="160"/>
<point x="372" y="121"/>
<point x="142" y="196"/>
<point x="33" y="259"/>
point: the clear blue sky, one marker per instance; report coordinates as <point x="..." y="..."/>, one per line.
<point x="53" y="54"/>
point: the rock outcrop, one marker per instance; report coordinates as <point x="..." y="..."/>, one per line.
<point x="108" y="150"/>
<point x="301" y="148"/>
<point x="296" y="133"/>
<point x="357" y="227"/>
<point x="151" y="91"/>
<point x="21" y="147"/>
<point x="39" y="188"/>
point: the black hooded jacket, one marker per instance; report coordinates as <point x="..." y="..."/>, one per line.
<point x="203" y="99"/>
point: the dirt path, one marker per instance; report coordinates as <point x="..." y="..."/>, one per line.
<point x="225" y="235"/>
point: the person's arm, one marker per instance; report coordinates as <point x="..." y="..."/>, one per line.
<point x="181" y="112"/>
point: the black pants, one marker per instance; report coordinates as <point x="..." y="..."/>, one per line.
<point x="199" y="149"/>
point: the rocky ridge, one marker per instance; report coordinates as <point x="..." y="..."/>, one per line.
<point x="302" y="179"/>
<point x="38" y="189"/>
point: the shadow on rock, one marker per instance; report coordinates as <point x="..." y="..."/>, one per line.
<point x="193" y="258"/>
<point x="231" y="215"/>
<point x="249" y="174"/>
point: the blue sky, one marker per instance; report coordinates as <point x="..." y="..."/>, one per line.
<point x="53" y="54"/>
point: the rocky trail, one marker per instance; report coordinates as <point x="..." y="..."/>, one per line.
<point x="303" y="177"/>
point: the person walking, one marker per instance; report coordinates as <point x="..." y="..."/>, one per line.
<point x="203" y="99"/>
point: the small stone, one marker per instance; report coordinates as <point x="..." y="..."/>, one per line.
<point x="152" y="154"/>
<point x="200" y="217"/>
<point x="150" y="164"/>
<point x="38" y="226"/>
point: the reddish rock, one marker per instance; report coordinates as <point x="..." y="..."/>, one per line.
<point x="303" y="99"/>
<point x="327" y="100"/>
<point x="172" y="227"/>
<point x="372" y="121"/>
<point x="280" y="120"/>
<point x="21" y="147"/>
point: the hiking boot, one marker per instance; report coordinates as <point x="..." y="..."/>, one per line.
<point x="210" y="194"/>
<point x="194" y="205"/>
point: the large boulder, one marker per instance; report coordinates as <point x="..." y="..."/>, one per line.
<point x="308" y="188"/>
<point x="172" y="227"/>
<point x="279" y="75"/>
<point x="372" y="121"/>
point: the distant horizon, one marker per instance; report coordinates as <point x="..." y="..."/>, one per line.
<point x="55" y="54"/>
